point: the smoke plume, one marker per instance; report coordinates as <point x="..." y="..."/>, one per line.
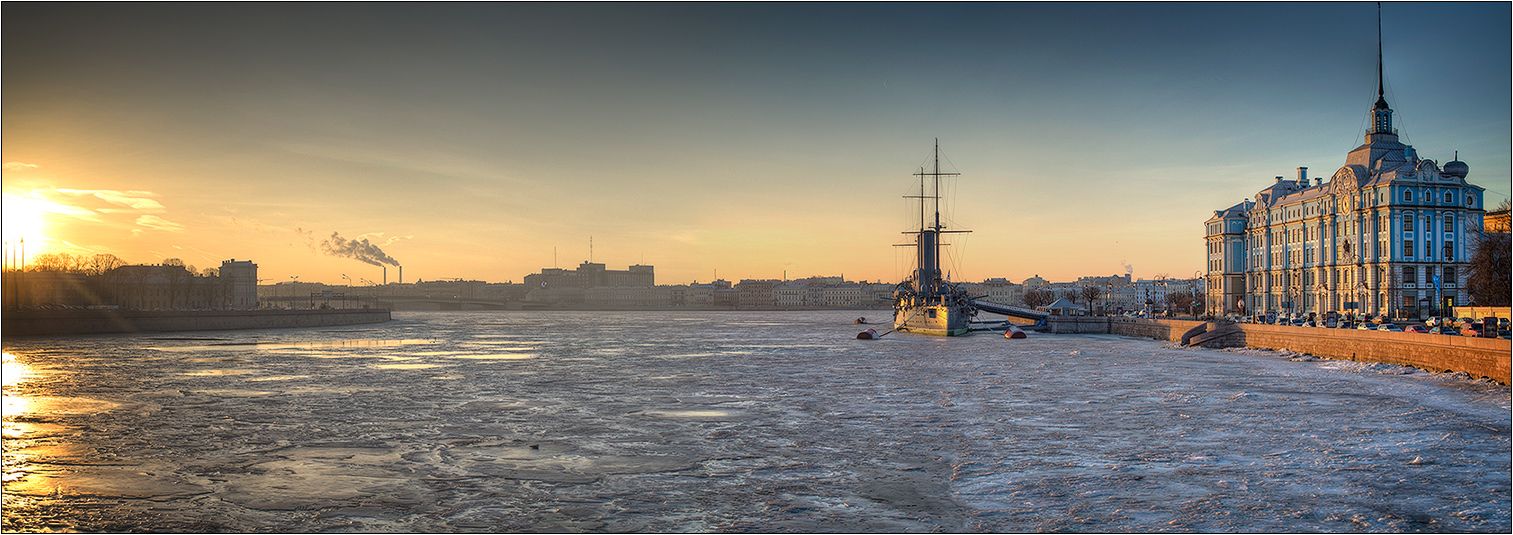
<point x="358" y="249"/>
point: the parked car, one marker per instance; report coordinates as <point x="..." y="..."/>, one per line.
<point x="1461" y="322"/>
<point x="1471" y="329"/>
<point x="1365" y="326"/>
<point x="1433" y="321"/>
<point x="1443" y="330"/>
<point x="1346" y="325"/>
<point x="1416" y="329"/>
<point x="1389" y="327"/>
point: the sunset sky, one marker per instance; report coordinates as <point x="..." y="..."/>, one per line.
<point x="749" y="140"/>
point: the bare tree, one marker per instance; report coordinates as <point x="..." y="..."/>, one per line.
<point x="1035" y="298"/>
<point x="102" y="263"/>
<point x="1178" y="301"/>
<point x="62" y="262"/>
<point x="1488" y="281"/>
<point x="1091" y="295"/>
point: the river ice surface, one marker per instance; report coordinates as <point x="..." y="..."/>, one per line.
<point x="738" y="421"/>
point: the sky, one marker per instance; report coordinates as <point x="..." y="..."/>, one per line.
<point x="732" y="141"/>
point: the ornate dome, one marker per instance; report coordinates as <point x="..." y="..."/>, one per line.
<point x="1455" y="169"/>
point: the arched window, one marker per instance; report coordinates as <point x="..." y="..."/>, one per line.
<point x="1449" y="197"/>
<point x="1407" y="195"/>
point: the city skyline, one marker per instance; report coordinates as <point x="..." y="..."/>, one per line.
<point x="486" y="142"/>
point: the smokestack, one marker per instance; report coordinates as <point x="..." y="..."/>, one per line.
<point x="386" y="275"/>
<point x="401" y="274"/>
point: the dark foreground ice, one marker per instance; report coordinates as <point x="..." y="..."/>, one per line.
<point x="529" y="421"/>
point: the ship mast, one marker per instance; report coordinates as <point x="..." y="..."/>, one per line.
<point x="927" y="239"/>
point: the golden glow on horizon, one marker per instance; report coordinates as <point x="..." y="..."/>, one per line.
<point x="24" y="221"/>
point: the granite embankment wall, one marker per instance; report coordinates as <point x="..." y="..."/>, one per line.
<point x="56" y="322"/>
<point x="1479" y="357"/>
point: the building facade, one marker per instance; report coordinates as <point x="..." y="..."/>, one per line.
<point x="1386" y="234"/>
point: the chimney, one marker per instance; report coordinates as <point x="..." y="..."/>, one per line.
<point x="401" y="274"/>
<point x="1318" y="181"/>
<point x="1279" y="179"/>
<point x="1303" y="176"/>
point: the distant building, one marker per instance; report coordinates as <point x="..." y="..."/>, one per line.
<point x="591" y="275"/>
<point x="241" y="277"/>
<point x="1497" y="221"/>
<point x="139" y="287"/>
<point x="555" y="285"/>
<point x="756" y="293"/>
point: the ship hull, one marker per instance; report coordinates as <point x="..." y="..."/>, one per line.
<point x="936" y="320"/>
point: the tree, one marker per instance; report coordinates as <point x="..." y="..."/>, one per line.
<point x="102" y="263"/>
<point x="1091" y="295"/>
<point x="1488" y="281"/>
<point x="1178" y="301"/>
<point x="1035" y="298"/>
<point x="63" y="262"/>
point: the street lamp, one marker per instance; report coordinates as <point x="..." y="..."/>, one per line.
<point x="1193" y="289"/>
<point x="293" y="283"/>
<point x="1447" y="258"/>
<point x="349" y="290"/>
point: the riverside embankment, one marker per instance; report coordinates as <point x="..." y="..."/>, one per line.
<point x="100" y="321"/>
<point x="1479" y="357"/>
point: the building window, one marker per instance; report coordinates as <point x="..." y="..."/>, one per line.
<point x="1408" y="223"/>
<point x="1407" y="195"/>
<point x="1449" y="276"/>
<point x="1449" y="223"/>
<point x="1408" y="248"/>
<point x="1449" y="197"/>
<point x="1409" y="277"/>
<point x="1470" y="201"/>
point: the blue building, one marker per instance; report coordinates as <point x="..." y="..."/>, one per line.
<point x="1386" y="234"/>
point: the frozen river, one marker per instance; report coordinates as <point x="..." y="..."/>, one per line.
<point x="521" y="421"/>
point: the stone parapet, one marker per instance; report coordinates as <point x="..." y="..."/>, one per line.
<point x="1479" y="357"/>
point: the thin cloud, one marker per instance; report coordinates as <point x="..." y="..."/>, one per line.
<point x="158" y="223"/>
<point x="136" y="200"/>
<point x="19" y="166"/>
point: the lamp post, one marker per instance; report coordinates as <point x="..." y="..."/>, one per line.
<point x="349" y="290"/>
<point x="293" y="284"/>
<point x="1193" y="289"/>
<point x="1448" y="257"/>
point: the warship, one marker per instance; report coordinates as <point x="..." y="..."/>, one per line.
<point x="926" y="302"/>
